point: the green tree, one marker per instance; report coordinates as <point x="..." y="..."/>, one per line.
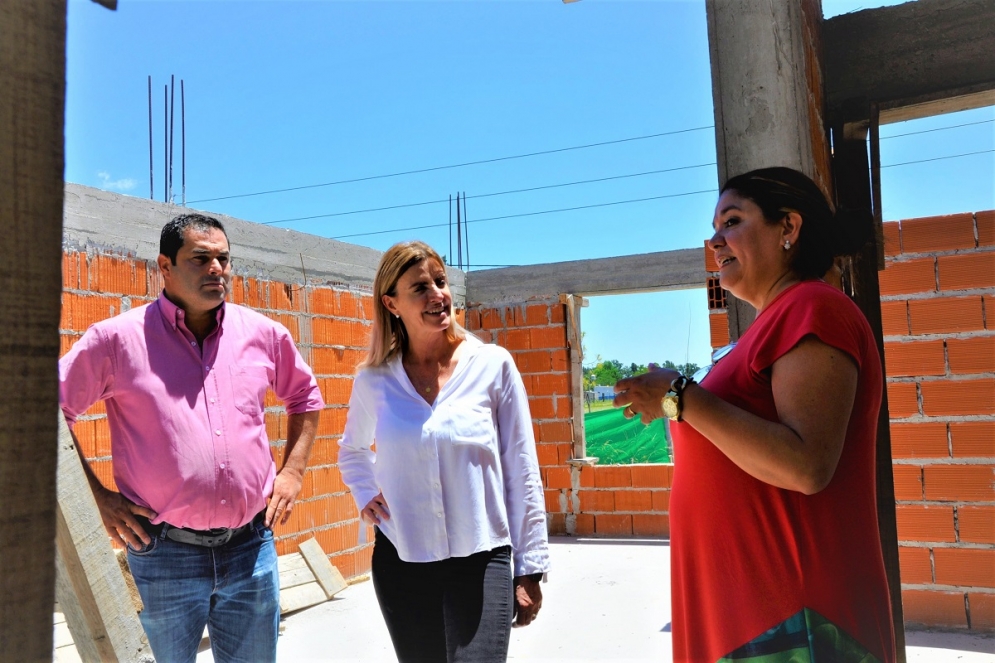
<point x="687" y="369"/>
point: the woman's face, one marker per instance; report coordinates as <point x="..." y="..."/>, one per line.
<point x="422" y="298"/>
<point x="748" y="250"/>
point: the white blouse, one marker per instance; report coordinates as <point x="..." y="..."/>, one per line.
<point x="459" y="476"/>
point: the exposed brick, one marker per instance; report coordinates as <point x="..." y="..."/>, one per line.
<point x="563" y="406"/>
<point x="908" y="276"/>
<point x="969" y="270"/>
<point x="542" y="407"/>
<point x="971" y="355"/>
<point x="558" y="477"/>
<point x="552" y="500"/>
<point x="490" y="318"/>
<point x="919" y="440"/>
<point x="602" y="501"/>
<point x="549" y="337"/>
<point x="930" y="608"/>
<point x="335" y="361"/>
<point x="332" y="421"/>
<point x="633" y="500"/>
<point x="584" y="524"/>
<point x="473" y="319"/>
<point x="973" y="438"/>
<point x="547" y="455"/>
<point x="81" y="311"/>
<point x="986" y="227"/>
<point x="958" y="397"/>
<point x="925" y="523"/>
<point x="336" y="391"/>
<point x="332" y="331"/>
<point x="661" y="501"/>
<point x="895" y="318"/>
<point x="548" y="384"/>
<point x="537" y="361"/>
<point x="612" y="476"/>
<point x="613" y="525"/>
<point x="650" y="476"/>
<point x="938" y="233"/>
<point x="718" y="329"/>
<point x="982" y="608"/>
<point x="945" y="314"/>
<point x="564" y="452"/>
<point x="965" y="567"/>
<point x="892" y="238"/>
<point x="123" y="276"/>
<point x="324" y="451"/>
<point x="914" y="565"/>
<point x="976" y="524"/>
<point x="557" y="314"/>
<point x="902" y="399"/>
<point x="557" y="523"/>
<point x="556" y="431"/>
<point x="914" y="358"/>
<point x="710" y="264"/>
<point x="533" y="315"/>
<point x="908" y="482"/>
<point x="70" y="271"/>
<point x="559" y="360"/>
<point x="515" y="340"/>
<point x="587" y="476"/>
<point x="649" y="524"/>
<point x="959" y="483"/>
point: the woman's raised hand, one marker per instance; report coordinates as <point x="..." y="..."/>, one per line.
<point x="641" y="394"/>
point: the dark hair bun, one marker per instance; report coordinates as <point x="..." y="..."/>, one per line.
<point x="851" y="228"/>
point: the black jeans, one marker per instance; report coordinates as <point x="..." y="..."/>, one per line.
<point x="457" y="610"/>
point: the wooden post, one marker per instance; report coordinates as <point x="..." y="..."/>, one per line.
<point x="32" y="106"/>
<point x="572" y="304"/>
<point x="91" y="589"/>
<point x="853" y="190"/>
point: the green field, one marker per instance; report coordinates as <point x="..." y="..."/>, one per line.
<point x="615" y="440"/>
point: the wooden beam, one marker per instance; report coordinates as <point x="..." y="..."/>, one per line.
<point x="913" y="60"/>
<point x="90" y="587"/>
<point x="647" y="272"/>
<point x="854" y="190"/>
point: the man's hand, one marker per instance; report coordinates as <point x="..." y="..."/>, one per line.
<point x="286" y="486"/>
<point x="528" y="600"/>
<point x="117" y="513"/>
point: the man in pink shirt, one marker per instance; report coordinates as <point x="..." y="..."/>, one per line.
<point x="184" y="380"/>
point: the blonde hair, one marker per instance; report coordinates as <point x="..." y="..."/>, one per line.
<point x="388" y="336"/>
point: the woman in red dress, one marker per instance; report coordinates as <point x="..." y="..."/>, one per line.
<point x="775" y="551"/>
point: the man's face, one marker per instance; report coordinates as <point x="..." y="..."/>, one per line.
<point x="201" y="277"/>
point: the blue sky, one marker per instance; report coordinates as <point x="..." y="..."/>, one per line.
<point x="291" y="94"/>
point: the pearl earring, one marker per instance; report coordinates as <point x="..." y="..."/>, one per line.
<point x="787" y="244"/>
<point x="397" y="315"/>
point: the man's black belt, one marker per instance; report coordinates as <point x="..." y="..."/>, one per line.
<point x="206" y="538"/>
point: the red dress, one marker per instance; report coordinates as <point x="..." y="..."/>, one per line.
<point x="750" y="562"/>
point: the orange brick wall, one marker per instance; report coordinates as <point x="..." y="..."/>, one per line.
<point x="938" y="315"/>
<point x="938" y="318"/>
<point x="581" y="498"/>
<point x="330" y="326"/>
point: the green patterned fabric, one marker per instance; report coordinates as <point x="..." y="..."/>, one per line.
<point x="805" y="637"/>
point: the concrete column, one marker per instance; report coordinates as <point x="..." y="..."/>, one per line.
<point x="767" y="93"/>
<point x="32" y="108"/>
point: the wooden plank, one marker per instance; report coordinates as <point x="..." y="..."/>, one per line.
<point x="302" y="596"/>
<point x="325" y="573"/>
<point x="90" y="587"/>
<point x="294" y="571"/>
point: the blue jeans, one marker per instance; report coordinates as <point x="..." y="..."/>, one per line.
<point x="233" y="589"/>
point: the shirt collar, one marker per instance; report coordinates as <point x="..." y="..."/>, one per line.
<point x="175" y="316"/>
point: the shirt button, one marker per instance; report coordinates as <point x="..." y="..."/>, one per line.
<point x="222" y="466"/>
<point x="436" y="484"/>
<point x="438" y="515"/>
<point x="223" y="501"/>
<point x="207" y="368"/>
<point x="217" y="432"/>
<point x="212" y="400"/>
<point x="194" y="343"/>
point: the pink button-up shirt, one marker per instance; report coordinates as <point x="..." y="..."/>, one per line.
<point x="187" y="432"/>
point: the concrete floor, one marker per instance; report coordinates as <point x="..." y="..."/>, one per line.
<point x="606" y="599"/>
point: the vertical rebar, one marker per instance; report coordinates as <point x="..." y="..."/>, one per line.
<point x="450" y="255"/>
<point x="183" y="143"/>
<point x="466" y="232"/>
<point x="151" y="173"/>
<point x="172" y="109"/>
<point x="459" y="235"/>
<point x="165" y="143"/>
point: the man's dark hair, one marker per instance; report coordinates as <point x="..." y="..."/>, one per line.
<point x="172" y="233"/>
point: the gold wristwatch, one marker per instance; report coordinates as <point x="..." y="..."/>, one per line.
<point x="672" y="402"/>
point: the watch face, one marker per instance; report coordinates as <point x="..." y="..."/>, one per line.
<point x="669" y="404"/>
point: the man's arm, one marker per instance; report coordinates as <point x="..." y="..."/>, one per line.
<point x="301" y="429"/>
<point x="116" y="511"/>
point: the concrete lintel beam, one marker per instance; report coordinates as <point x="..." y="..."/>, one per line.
<point x="913" y="60"/>
<point x="647" y="272"/>
<point x="101" y="221"/>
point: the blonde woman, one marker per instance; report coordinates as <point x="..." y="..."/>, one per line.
<point x="453" y="487"/>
